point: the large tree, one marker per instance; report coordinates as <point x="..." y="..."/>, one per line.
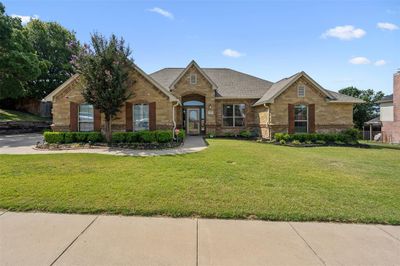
<point x="104" y="67"/>
<point x="52" y="43"/>
<point x="362" y="112"/>
<point x="19" y="63"/>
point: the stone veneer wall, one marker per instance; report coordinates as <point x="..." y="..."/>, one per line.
<point x="203" y="87"/>
<point x="252" y="120"/>
<point x="329" y="117"/>
<point x="143" y="92"/>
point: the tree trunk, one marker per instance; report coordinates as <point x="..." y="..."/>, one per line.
<point x="108" y="131"/>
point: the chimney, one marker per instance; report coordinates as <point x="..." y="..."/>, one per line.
<point x="396" y="96"/>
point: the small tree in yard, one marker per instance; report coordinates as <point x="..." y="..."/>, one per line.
<point x="104" y="67"/>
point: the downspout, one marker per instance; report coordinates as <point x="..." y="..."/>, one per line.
<point x="173" y="119"/>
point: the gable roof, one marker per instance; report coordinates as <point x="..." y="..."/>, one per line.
<point x="49" y="98"/>
<point x="279" y="87"/>
<point x="192" y="63"/>
<point x="230" y="83"/>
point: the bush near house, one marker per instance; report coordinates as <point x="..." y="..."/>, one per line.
<point x="144" y="136"/>
<point x="348" y="136"/>
<point x="72" y="137"/>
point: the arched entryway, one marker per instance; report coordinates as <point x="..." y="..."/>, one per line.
<point x="193" y="114"/>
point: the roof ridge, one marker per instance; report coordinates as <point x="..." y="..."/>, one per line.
<point x="246" y="74"/>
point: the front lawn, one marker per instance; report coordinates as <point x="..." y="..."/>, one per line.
<point x="11" y="115"/>
<point x="230" y="179"/>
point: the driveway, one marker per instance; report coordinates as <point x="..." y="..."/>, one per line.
<point x="68" y="239"/>
<point x="17" y="144"/>
<point x="25" y="143"/>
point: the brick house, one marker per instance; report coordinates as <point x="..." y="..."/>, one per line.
<point x="390" y="113"/>
<point x="210" y="100"/>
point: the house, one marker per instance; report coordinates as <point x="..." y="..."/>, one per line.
<point x="210" y="101"/>
<point x="390" y="113"/>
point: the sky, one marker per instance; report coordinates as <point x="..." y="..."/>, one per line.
<point x="338" y="43"/>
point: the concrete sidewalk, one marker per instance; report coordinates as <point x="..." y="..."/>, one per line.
<point x="25" y="144"/>
<point x="64" y="239"/>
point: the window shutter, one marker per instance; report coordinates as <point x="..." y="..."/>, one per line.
<point x="152" y="116"/>
<point x="291" y="119"/>
<point x="73" y="116"/>
<point x="311" y="118"/>
<point x="97" y="120"/>
<point x="128" y="117"/>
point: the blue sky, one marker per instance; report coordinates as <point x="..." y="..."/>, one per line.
<point x="339" y="43"/>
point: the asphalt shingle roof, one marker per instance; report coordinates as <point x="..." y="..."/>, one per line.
<point x="235" y="84"/>
<point x="387" y="98"/>
<point x="230" y="83"/>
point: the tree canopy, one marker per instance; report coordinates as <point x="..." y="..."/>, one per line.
<point x="104" y="66"/>
<point x="363" y="112"/>
<point x="19" y="62"/>
<point x="52" y="43"/>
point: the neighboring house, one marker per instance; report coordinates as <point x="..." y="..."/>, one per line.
<point x="390" y="113"/>
<point x="210" y="101"/>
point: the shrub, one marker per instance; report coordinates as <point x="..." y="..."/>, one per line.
<point x="282" y="141"/>
<point x="285" y="136"/>
<point x="80" y="137"/>
<point x="146" y="136"/>
<point x="132" y="137"/>
<point x="119" y="137"/>
<point x="94" y="137"/>
<point x="296" y="142"/>
<point x="54" y="137"/>
<point x="245" y="134"/>
<point x="321" y="142"/>
<point x="229" y="134"/>
<point x="69" y="137"/>
<point x="181" y="135"/>
<point x="352" y="134"/>
<point x="164" y="136"/>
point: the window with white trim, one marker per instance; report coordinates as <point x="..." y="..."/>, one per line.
<point x="140" y="117"/>
<point x="233" y="115"/>
<point x="193" y="79"/>
<point x="85" y="117"/>
<point x="301" y="91"/>
<point x="300" y="118"/>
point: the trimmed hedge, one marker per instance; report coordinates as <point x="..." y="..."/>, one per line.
<point x="145" y="136"/>
<point x="71" y="137"/>
<point x="346" y="136"/>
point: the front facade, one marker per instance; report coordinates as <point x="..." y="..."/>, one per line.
<point x="216" y="101"/>
<point x="390" y="113"/>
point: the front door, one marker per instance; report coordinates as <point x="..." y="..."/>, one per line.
<point x="193" y="121"/>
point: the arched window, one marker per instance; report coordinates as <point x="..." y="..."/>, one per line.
<point x="301" y="118"/>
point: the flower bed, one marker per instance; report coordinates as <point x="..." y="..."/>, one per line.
<point x="145" y="139"/>
<point x="347" y="137"/>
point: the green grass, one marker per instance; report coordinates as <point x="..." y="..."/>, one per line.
<point x="11" y="115"/>
<point x="380" y="145"/>
<point x="230" y="179"/>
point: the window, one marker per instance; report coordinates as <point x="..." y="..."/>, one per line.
<point x="193" y="79"/>
<point x="300" y="119"/>
<point x="86" y="117"/>
<point x="233" y="115"/>
<point x="301" y="91"/>
<point x="140" y="117"/>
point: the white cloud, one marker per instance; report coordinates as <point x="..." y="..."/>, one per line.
<point x="387" y="26"/>
<point x="25" y="19"/>
<point x="360" y="60"/>
<point x="232" y="53"/>
<point x="162" y="12"/>
<point x="346" y="33"/>
<point x="380" y="63"/>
